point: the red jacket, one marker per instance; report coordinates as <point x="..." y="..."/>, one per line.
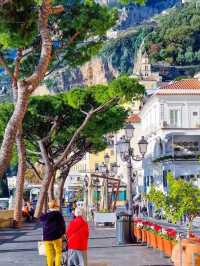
<point x="77" y="234"/>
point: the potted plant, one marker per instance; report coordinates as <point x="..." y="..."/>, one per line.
<point x="144" y="232"/>
<point x="159" y="239"/>
<point x="183" y="198"/>
<point x="169" y="240"/>
<point x="138" y="229"/>
<point x="148" y="228"/>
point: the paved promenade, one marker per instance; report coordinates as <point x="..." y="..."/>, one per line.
<point x="19" y="248"/>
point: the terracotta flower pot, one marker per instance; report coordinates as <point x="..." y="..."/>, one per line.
<point x="153" y="240"/>
<point x="189" y="247"/>
<point x="160" y="243"/>
<point x="134" y="231"/>
<point x="144" y="236"/>
<point x="148" y="239"/>
<point x="167" y="245"/>
<point x="138" y="233"/>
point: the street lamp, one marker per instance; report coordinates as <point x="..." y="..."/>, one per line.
<point x="95" y="183"/>
<point x="106" y="158"/>
<point x="86" y="179"/>
<point x="114" y="168"/>
<point x="143" y="146"/>
<point x="103" y="168"/>
<point x="129" y="131"/>
<point x="127" y="155"/>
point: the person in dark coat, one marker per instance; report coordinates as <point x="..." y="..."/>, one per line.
<point x="53" y="230"/>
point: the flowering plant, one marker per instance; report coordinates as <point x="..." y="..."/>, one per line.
<point x="139" y="223"/>
<point x="169" y="234"/>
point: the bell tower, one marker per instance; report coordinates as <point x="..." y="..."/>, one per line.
<point x="145" y="70"/>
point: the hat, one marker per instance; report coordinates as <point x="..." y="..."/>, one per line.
<point x="53" y="204"/>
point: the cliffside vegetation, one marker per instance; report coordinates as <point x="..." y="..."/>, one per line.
<point x="122" y="51"/>
<point x="176" y="40"/>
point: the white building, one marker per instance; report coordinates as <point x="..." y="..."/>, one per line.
<point x="170" y="121"/>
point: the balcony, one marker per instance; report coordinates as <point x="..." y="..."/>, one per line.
<point x="175" y="157"/>
<point x="166" y="125"/>
<point x="177" y="147"/>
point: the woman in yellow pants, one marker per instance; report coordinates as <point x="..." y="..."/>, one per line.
<point x="53" y="230"/>
<point x="53" y="251"/>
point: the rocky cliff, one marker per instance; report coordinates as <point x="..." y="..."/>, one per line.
<point x="94" y="72"/>
<point x="134" y="14"/>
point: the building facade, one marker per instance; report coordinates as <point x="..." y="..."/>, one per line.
<point x="170" y="121"/>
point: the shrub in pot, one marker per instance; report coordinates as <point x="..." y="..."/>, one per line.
<point x="182" y="198"/>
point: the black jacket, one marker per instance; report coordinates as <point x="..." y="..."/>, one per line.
<point x="53" y="225"/>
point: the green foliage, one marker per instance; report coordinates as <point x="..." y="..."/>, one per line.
<point x="183" y="198"/>
<point x="77" y="33"/>
<point x="121" y="51"/>
<point x="65" y="108"/>
<point x="86" y="22"/>
<point x="126" y="88"/>
<point x="176" y="39"/>
<point x="123" y="88"/>
<point x="18" y="23"/>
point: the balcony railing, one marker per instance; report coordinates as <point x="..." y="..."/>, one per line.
<point x="177" y="157"/>
<point x="165" y="124"/>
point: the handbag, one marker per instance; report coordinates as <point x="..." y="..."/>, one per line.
<point x="41" y="248"/>
<point x="64" y="258"/>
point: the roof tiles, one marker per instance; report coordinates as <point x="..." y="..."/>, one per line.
<point x="134" y="118"/>
<point x="181" y="87"/>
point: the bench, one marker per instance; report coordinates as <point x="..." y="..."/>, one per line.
<point x="102" y="218"/>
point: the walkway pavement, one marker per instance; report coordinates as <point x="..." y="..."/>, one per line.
<point x="18" y="247"/>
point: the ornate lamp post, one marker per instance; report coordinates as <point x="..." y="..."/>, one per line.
<point x="127" y="155"/>
<point x="103" y="168"/>
<point x="86" y="178"/>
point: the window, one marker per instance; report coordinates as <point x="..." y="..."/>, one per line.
<point x="96" y="166"/>
<point x="162" y="112"/>
<point x="174" y="118"/>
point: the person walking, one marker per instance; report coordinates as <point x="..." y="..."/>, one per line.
<point x="77" y="234"/>
<point x="53" y="230"/>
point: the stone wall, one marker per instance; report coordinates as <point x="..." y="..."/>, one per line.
<point x="6" y="218"/>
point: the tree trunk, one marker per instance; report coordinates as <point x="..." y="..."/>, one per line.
<point x="49" y="173"/>
<point x="51" y="195"/>
<point x="189" y="227"/>
<point x="14" y="125"/>
<point x="20" y="180"/>
<point x="26" y="87"/>
<point x="63" y="175"/>
<point x="45" y="205"/>
<point x="43" y="191"/>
